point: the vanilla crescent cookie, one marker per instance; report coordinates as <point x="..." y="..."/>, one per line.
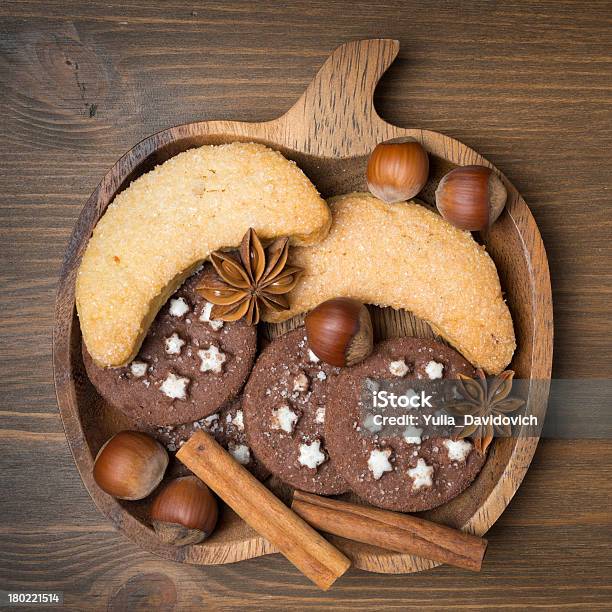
<point x="408" y="257"/>
<point x="159" y="230"/>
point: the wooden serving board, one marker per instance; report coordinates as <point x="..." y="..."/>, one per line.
<point x="329" y="132"/>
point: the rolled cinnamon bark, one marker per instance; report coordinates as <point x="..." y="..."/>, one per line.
<point x="310" y="552"/>
<point x="391" y="530"/>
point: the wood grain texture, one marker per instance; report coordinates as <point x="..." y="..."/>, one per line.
<point x="526" y="84"/>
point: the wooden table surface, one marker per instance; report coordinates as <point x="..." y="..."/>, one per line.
<point x="529" y="85"/>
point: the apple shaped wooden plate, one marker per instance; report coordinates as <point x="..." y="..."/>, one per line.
<point x="329" y="132"/>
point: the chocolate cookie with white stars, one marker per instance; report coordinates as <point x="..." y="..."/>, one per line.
<point x="226" y="426"/>
<point x="405" y="469"/>
<point x="284" y="414"/>
<point x="188" y="366"/>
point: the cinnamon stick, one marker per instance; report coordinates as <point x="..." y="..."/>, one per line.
<point x="310" y="552"/>
<point x="391" y="530"/>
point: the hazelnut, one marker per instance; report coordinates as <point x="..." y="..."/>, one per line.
<point x="471" y="197"/>
<point x="339" y="331"/>
<point x="397" y="170"/>
<point x="184" y="512"/>
<point x="130" y="465"/>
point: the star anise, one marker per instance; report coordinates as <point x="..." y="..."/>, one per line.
<point x="250" y="280"/>
<point x="481" y="398"/>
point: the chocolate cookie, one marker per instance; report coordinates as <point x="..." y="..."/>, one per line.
<point x="284" y="414"/>
<point x="408" y="468"/>
<point x="188" y="366"/>
<point x="227" y="427"/>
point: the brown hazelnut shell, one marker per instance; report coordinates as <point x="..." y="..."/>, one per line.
<point x="397" y="170"/>
<point x="130" y="465"/>
<point x="339" y="331"/>
<point x="184" y="512"/>
<point x="471" y="197"/>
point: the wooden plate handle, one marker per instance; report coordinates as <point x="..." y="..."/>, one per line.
<point x="335" y="115"/>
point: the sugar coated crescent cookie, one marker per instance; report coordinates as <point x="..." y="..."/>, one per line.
<point x="158" y="230"/>
<point x="405" y="256"/>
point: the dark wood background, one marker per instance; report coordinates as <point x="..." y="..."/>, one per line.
<point x="529" y="85"/>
